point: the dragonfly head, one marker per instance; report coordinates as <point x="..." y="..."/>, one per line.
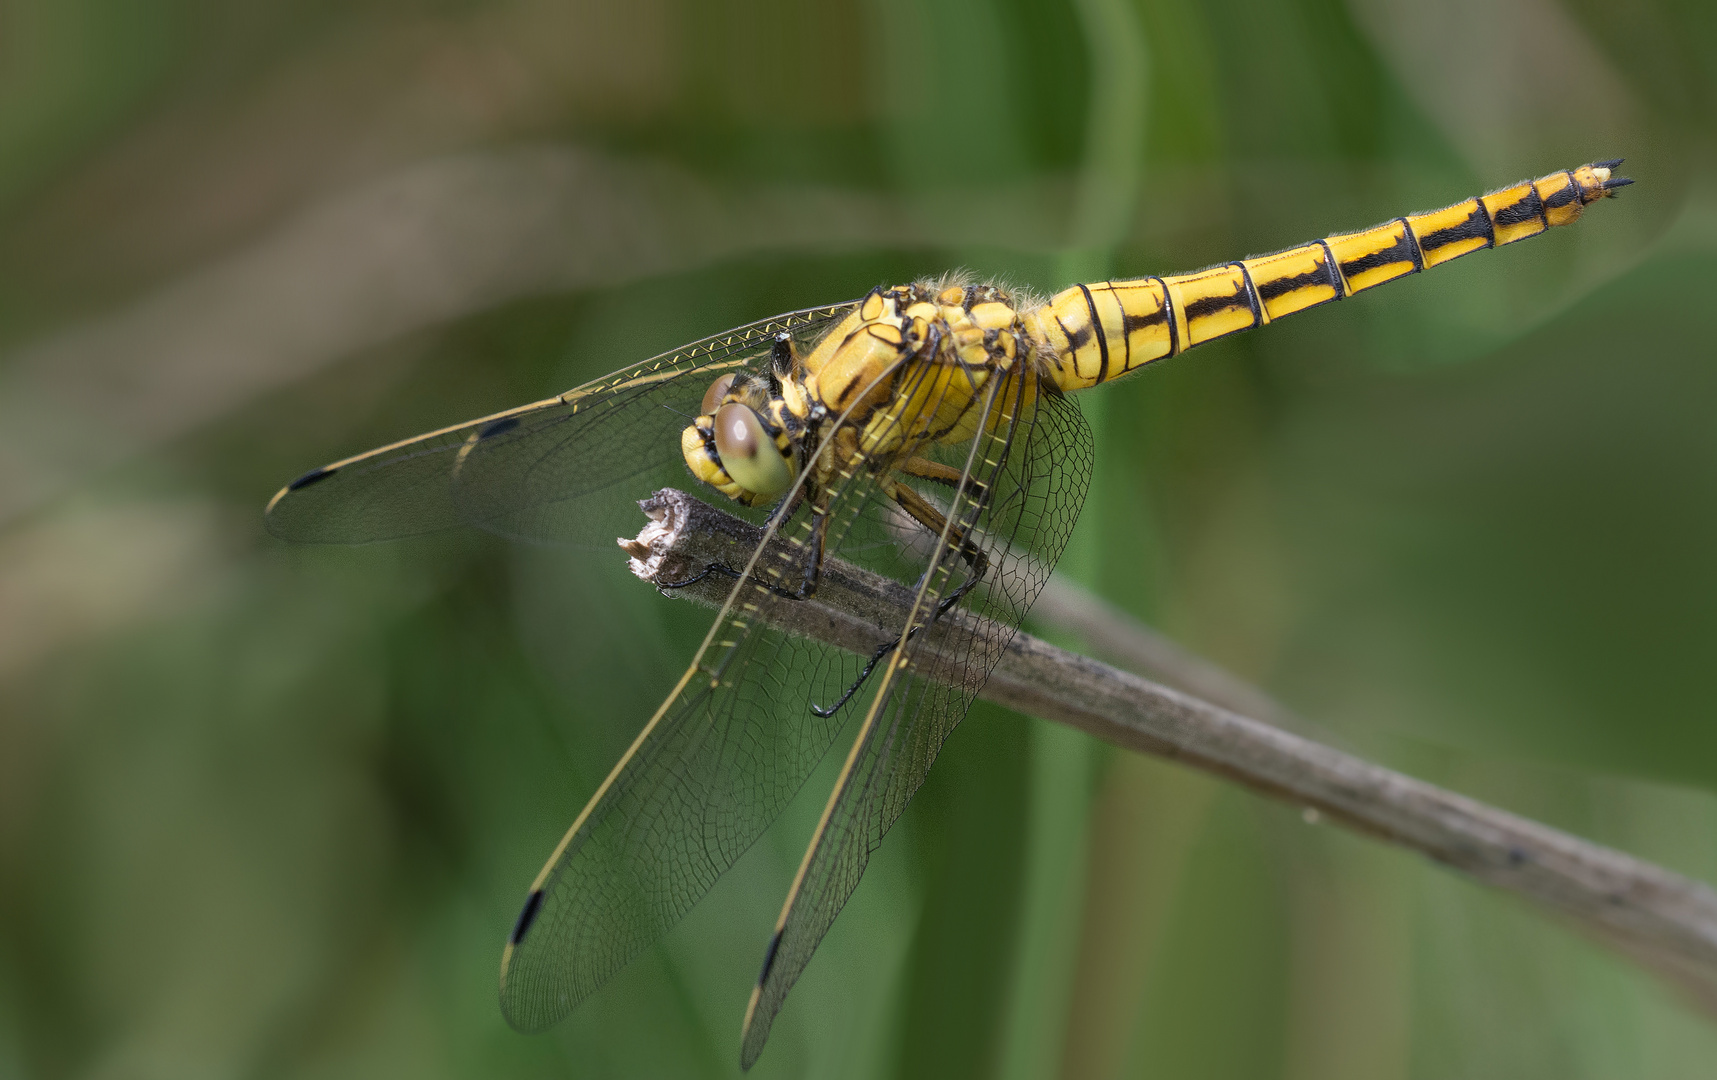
<point x="741" y="444"/>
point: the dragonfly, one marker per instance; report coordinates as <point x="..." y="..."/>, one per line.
<point x="941" y="406"/>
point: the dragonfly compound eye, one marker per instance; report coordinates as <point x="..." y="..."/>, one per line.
<point x="748" y="453"/>
<point x="712" y="398"/>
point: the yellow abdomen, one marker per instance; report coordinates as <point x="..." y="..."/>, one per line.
<point x="1089" y="334"/>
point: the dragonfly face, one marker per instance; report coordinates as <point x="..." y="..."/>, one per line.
<point x="749" y="441"/>
<point x="936" y="410"/>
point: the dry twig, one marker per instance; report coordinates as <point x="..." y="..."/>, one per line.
<point x="1663" y="920"/>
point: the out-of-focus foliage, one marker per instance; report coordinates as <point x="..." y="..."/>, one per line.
<point x="270" y="812"/>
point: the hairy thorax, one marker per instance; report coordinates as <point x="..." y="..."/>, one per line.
<point x="910" y="366"/>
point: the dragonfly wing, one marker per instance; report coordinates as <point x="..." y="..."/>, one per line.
<point x="707" y="775"/>
<point x="1031" y="476"/>
<point x="540" y="471"/>
<point x="753" y="714"/>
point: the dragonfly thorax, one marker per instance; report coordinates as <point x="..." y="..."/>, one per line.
<point x="903" y="368"/>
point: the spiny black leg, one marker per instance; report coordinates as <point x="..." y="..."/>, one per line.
<point x="933" y="522"/>
<point x="813" y="569"/>
<point x="726" y="571"/>
<point x="814" y="559"/>
<point x="869" y="666"/>
<point x="782" y="362"/>
<point x="783" y="510"/>
<point x="979" y="562"/>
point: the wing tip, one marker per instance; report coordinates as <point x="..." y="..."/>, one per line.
<point x="750" y="1043"/>
<point x="753" y="1035"/>
<point x="313" y="476"/>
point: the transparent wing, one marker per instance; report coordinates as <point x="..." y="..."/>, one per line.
<point x="709" y="772"/>
<point x="1028" y="470"/>
<point x="748" y="722"/>
<point x="561" y="470"/>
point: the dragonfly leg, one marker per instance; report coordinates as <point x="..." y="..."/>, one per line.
<point x="813" y="568"/>
<point x="814" y="557"/>
<point x="925" y="469"/>
<point x="826" y="711"/>
<point x="932" y="519"/>
<point x="784" y="509"/>
<point x="936" y="522"/>
<point x="728" y="571"/>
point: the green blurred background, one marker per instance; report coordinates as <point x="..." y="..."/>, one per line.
<point x="270" y="812"/>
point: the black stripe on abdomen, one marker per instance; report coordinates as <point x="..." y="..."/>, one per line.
<point x="1477" y="226"/>
<point x="1402" y="251"/>
<point x="1279" y="287"/>
<point x="1523" y="211"/>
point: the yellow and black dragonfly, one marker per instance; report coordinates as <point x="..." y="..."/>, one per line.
<point x="940" y="404"/>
